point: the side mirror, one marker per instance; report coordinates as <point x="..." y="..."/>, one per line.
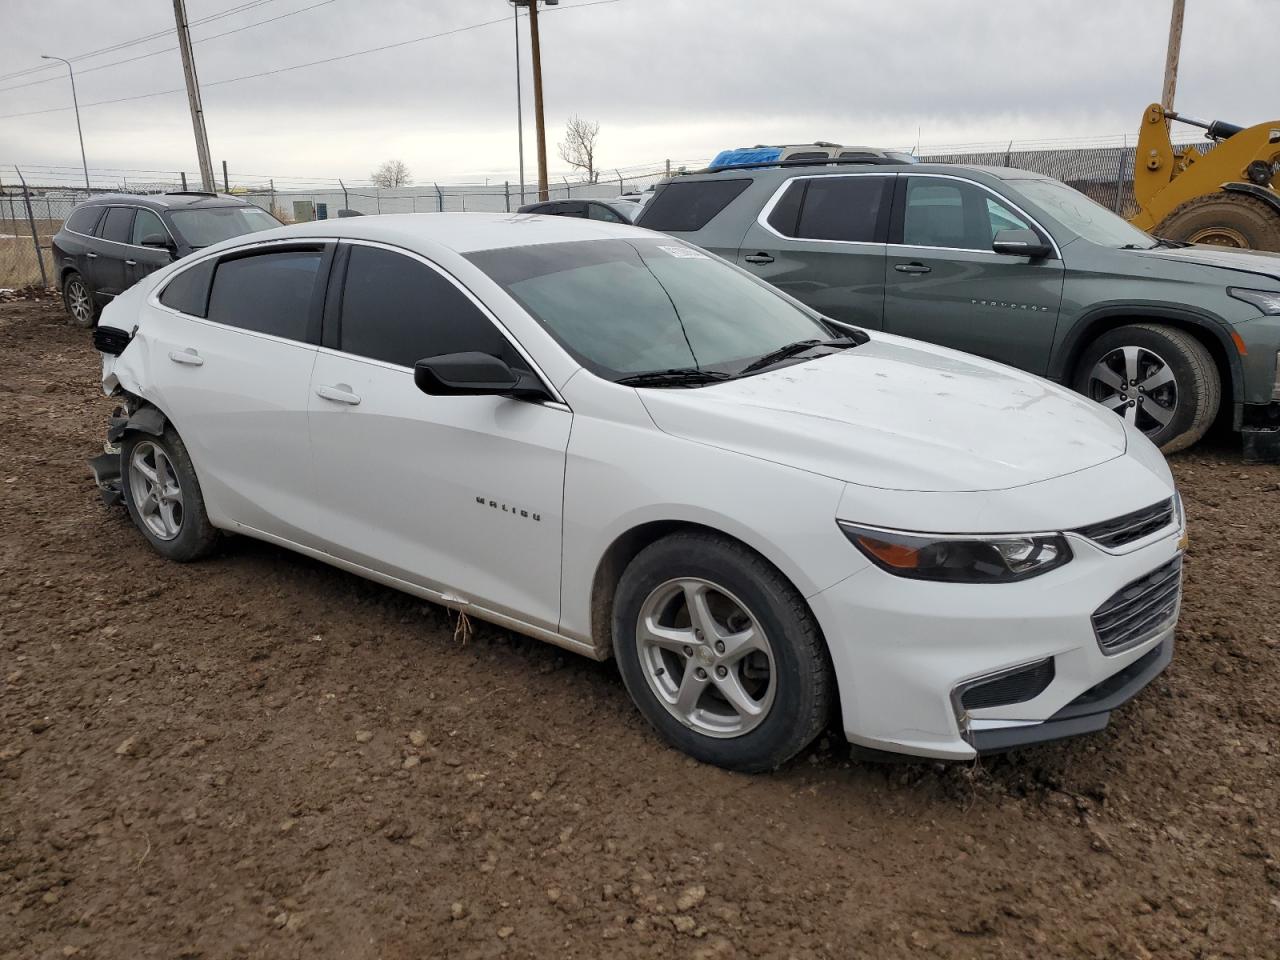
<point x="474" y="374"/>
<point x="1021" y="243"/>
<point x="157" y="240"/>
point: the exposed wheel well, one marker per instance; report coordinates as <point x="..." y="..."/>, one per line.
<point x="62" y="275"/>
<point x="1099" y="326"/>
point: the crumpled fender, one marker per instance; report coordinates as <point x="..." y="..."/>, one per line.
<point x="146" y="419"/>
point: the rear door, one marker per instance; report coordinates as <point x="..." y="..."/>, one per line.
<point x="231" y="366"/>
<point x="822" y="240"/>
<point x="143" y="259"/>
<point x="461" y="495"/>
<point x="111" y="249"/>
<point x="944" y="283"/>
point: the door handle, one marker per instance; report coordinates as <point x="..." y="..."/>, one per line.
<point x="912" y="268"/>
<point x="131" y="263"/>
<point x="758" y="258"/>
<point x="341" y="393"/>
<point x="187" y="356"/>
<point x="92" y="256"/>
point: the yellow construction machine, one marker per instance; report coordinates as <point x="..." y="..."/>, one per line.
<point x="1221" y="195"/>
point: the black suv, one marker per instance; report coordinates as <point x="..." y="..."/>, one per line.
<point x="111" y="242"/>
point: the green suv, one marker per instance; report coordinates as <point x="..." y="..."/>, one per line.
<point x="1012" y="266"/>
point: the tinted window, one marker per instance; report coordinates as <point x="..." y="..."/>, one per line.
<point x="598" y="211"/>
<point x="206" y="225"/>
<point x="636" y="305"/>
<point x="689" y="205"/>
<point x="841" y="208"/>
<point x="83" y="219"/>
<point x="147" y="224"/>
<point x="116" y="225"/>
<point x="188" y="292"/>
<point x="266" y="293"/>
<point x="954" y="214"/>
<point x="400" y="310"/>
<point x="786" y="211"/>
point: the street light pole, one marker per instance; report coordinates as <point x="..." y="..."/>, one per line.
<point x="76" y="103"/>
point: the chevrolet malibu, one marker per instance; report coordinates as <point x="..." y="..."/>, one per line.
<point x="615" y="442"/>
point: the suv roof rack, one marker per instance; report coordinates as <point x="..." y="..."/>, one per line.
<point x="817" y="162"/>
<point x="190" y="193"/>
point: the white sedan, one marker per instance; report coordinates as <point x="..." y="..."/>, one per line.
<point x="612" y="441"/>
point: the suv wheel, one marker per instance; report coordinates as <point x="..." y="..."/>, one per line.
<point x="720" y="653"/>
<point x="163" y="496"/>
<point x="78" y="301"/>
<point x="1160" y="379"/>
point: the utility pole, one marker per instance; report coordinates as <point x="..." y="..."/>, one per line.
<point x="1171" y="58"/>
<point x="537" y="91"/>
<point x="515" y="18"/>
<point x="226" y="184"/>
<point x="193" y="96"/>
<point x="75" y="103"/>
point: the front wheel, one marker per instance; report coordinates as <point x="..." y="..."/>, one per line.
<point x="1160" y="379"/>
<point x="720" y="653"/>
<point x="163" y="495"/>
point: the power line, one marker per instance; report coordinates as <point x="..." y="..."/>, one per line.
<point x="299" y="66"/>
<point x="156" y="53"/>
<point x="151" y="36"/>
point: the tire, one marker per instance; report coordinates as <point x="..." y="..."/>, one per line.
<point x="178" y="530"/>
<point x="743" y="593"/>
<point x="1173" y="415"/>
<point x="1226" y="220"/>
<point x="77" y="300"/>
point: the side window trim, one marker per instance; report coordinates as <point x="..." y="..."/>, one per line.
<point x="899" y="216"/>
<point x="479" y="304"/>
<point x="882" y="215"/>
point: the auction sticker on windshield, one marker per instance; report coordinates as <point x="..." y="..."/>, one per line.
<point x="683" y="253"/>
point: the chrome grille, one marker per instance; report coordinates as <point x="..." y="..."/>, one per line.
<point x="1118" y="531"/>
<point x="1140" y="609"/>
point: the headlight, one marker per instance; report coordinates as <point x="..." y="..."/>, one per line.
<point x="1268" y="301"/>
<point x="959" y="559"/>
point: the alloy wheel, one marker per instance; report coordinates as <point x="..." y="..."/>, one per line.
<point x="156" y="491"/>
<point x="78" y="302"/>
<point x="706" y="657"/>
<point x="1137" y="384"/>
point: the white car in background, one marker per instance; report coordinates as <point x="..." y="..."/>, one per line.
<point x="615" y="442"/>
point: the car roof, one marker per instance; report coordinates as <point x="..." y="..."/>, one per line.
<point x="460" y="232"/>
<point x="820" y="168"/>
<point x="169" y="201"/>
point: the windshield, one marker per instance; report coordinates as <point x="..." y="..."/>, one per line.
<point x="206" y="225"/>
<point x="623" y="307"/>
<point x="1078" y="213"/>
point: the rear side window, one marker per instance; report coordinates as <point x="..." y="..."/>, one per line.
<point x="188" y="292"/>
<point x="400" y="310"/>
<point x="841" y="208"/>
<point x="83" y="219"/>
<point x="267" y="292"/>
<point x="786" y="211"/>
<point x="117" y="224"/>
<point x="689" y="205"/>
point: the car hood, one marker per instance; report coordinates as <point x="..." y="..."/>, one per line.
<point x="1261" y="262"/>
<point x="900" y="415"/>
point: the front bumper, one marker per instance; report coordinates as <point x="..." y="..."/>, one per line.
<point x="903" y="648"/>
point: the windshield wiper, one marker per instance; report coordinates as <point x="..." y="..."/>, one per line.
<point x="678" y="377"/>
<point x="792" y="349"/>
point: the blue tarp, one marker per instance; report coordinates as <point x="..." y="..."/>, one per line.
<point x="744" y="155"/>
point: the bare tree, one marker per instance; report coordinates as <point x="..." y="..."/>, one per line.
<point x="579" y="146"/>
<point x="392" y="173"/>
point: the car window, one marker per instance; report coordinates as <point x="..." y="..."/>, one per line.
<point x="786" y="211"/>
<point x="188" y="292"/>
<point x="841" y="208"/>
<point x="400" y="310"/>
<point x="147" y="224"/>
<point x="629" y="306"/>
<point x="1072" y="208"/>
<point x="208" y="225"/>
<point x="1002" y="218"/>
<point x="116" y="225"/>
<point x="953" y="214"/>
<point x="83" y="219"/>
<point x="598" y="211"/>
<point x="689" y="205"/>
<point x="267" y="292"/>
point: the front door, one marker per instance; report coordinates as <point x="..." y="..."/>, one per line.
<point x="822" y="241"/>
<point x="144" y="259"/>
<point x="944" y="283"/>
<point x="461" y="495"/>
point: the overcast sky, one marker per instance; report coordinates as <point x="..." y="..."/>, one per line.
<point x="677" y="79"/>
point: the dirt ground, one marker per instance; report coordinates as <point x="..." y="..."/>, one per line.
<point x="261" y="756"/>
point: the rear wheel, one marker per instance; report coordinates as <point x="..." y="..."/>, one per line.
<point x="1160" y="379"/>
<point x="1224" y="219"/>
<point x="720" y="653"/>
<point x="78" y="301"/>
